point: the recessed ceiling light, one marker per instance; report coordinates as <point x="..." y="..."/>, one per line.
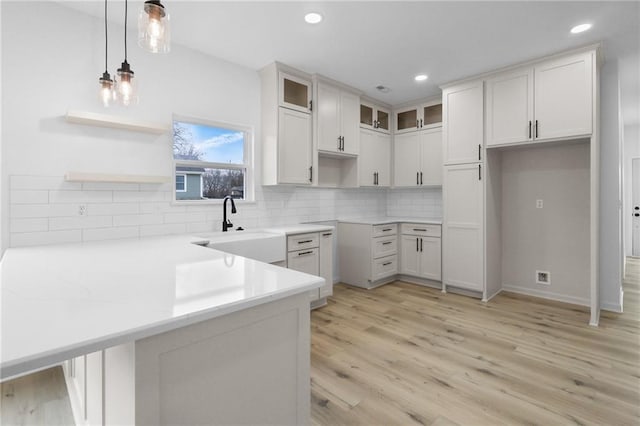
<point x="421" y="77"/>
<point x="313" y="18"/>
<point x="580" y="28"/>
<point x="383" y="89"/>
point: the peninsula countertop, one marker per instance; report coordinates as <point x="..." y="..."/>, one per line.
<point x="384" y="220"/>
<point x="61" y="301"/>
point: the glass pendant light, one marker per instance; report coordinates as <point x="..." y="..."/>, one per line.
<point x="153" y="27"/>
<point x="127" y="86"/>
<point x="107" y="92"/>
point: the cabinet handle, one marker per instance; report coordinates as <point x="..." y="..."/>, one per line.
<point x="387" y="263"/>
<point x="377" y="178"/>
<point x="417" y="124"/>
<point x="305" y="241"/>
<point x="417" y="244"/>
<point x="417" y="178"/>
<point x="420" y="244"/>
<point x="327" y="234"/>
<point x="311" y="105"/>
<point x="479" y="171"/>
<point x="342" y="137"/>
<point x="420" y="229"/>
<point x="479" y="152"/>
<point x="339" y="143"/>
<point x="421" y="123"/>
<point x="420" y="178"/>
<point x="304" y="253"/>
<point x="311" y="174"/>
<point x="387" y="229"/>
<point x="386" y="242"/>
<point x="529" y="129"/>
<point x="536" y="132"/>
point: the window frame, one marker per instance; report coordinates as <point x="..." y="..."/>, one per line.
<point x="247" y="166"/>
<point x="184" y="175"/>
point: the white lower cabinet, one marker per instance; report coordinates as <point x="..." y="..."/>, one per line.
<point x="420" y="254"/>
<point x="368" y="254"/>
<point x="312" y="253"/>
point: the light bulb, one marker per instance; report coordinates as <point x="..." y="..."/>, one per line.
<point x="106" y="89"/>
<point x="154" y="32"/>
<point x="155" y="28"/>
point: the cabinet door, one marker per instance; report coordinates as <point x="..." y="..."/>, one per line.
<point x="304" y="261"/>
<point x="294" y="93"/>
<point x="94" y="388"/>
<point x="431" y="149"/>
<point x="406" y="160"/>
<point x="382" y="120"/>
<point x="326" y="263"/>
<point x="328" y="114"/>
<point x="509" y="107"/>
<point x="430" y="258"/>
<point x="367" y="160"/>
<point x="367" y="118"/>
<point x="564" y="97"/>
<point x="407" y="120"/>
<point x="294" y="150"/>
<point x="382" y="158"/>
<point x="462" y="113"/>
<point x="349" y="119"/>
<point x="462" y="227"/>
<point x="409" y="255"/>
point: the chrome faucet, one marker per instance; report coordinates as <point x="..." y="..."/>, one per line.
<point x="226" y="224"/>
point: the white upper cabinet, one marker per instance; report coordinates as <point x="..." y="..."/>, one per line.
<point x="294" y="92"/>
<point x="509" y="106"/>
<point x="418" y="117"/>
<point x="564" y="97"/>
<point x="374" y="117"/>
<point x="287" y="144"/>
<point x="375" y="159"/>
<point x="338" y="118"/>
<point x="418" y="158"/>
<point x="462" y="113"/>
<point x="551" y="100"/>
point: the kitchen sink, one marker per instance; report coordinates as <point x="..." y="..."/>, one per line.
<point x="266" y="247"/>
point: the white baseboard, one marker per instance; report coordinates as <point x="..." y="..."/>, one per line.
<point x="612" y="307"/>
<point x="493" y="295"/>
<point x="547" y="295"/>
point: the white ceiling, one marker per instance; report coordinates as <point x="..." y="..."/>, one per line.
<point x="365" y="44"/>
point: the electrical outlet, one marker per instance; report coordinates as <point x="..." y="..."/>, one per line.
<point x="82" y="210"/>
<point x="539" y="204"/>
<point x="543" y="277"/>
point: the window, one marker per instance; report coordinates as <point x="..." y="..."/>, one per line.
<point x="181" y="183"/>
<point x="211" y="160"/>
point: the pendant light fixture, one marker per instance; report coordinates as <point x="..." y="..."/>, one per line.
<point x="107" y="93"/>
<point x="154" y="32"/>
<point x="127" y="86"/>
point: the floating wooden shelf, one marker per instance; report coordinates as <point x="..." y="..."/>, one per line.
<point x="114" y="122"/>
<point x="113" y="178"/>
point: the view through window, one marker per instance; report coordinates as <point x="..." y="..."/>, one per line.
<point x="210" y="161"/>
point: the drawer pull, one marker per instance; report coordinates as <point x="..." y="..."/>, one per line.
<point x="387" y="263"/>
<point x="386" y="242"/>
<point x="304" y="253"/>
<point x="305" y="241"/>
<point x="420" y="229"/>
<point x="327" y="234"/>
<point x="387" y="229"/>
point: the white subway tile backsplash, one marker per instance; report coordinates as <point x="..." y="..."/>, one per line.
<point x="62" y="197"/>
<point x="45" y="238"/>
<point x="29" y="225"/>
<point x="80" y="222"/>
<point x="20" y="196"/>
<point x="110" y="233"/>
<point x="43" y="205"/>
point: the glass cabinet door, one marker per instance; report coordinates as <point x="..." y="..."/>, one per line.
<point x="382" y="120"/>
<point x="432" y="114"/>
<point x="295" y="93"/>
<point x="366" y="115"/>
<point x="407" y="120"/>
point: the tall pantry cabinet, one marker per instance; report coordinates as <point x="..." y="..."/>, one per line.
<point x="462" y="187"/>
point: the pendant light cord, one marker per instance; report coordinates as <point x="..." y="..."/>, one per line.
<point x="125" y="29"/>
<point x="106" y="38"/>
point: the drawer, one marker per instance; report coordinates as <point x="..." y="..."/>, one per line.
<point x="302" y="241"/>
<point x="385" y="267"/>
<point x="421" y="229"/>
<point x="384" y="246"/>
<point x="383" y="230"/>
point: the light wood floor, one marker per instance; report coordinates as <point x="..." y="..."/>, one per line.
<point x="404" y="354"/>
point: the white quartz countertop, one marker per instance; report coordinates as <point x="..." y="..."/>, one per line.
<point x="62" y="301"/>
<point x="300" y="229"/>
<point x="391" y="219"/>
